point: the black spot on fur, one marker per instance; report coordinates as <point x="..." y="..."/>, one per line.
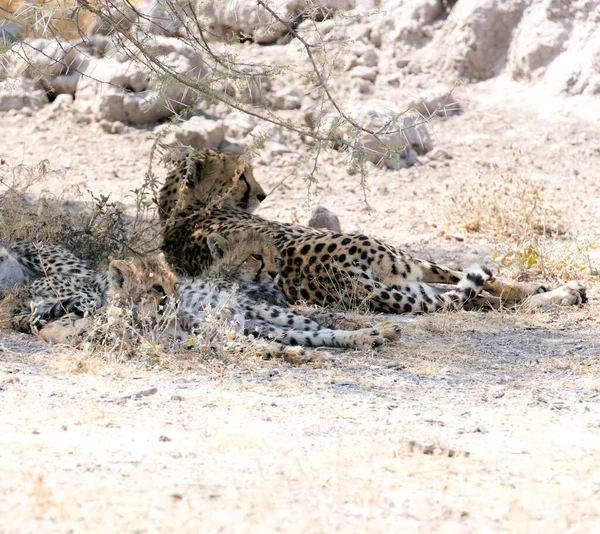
<point x="304" y="293"/>
<point x="476" y="278"/>
<point x="305" y="249"/>
<point x="346" y="241"/>
<point x="470" y="293"/>
<point x="319" y="247"/>
<point x="331" y="247"/>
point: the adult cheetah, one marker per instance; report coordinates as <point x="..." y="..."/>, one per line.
<point x="207" y="191"/>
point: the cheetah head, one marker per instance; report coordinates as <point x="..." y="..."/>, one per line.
<point x="147" y="285"/>
<point x="208" y="177"/>
<point x="248" y="256"/>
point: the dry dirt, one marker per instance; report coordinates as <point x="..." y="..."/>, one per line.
<point x="250" y="446"/>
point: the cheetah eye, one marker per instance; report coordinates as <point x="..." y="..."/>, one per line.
<point x="257" y="257"/>
<point x="160" y="289"/>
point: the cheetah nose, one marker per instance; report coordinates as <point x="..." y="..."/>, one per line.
<point x="261" y="197"/>
<point x="273" y="274"/>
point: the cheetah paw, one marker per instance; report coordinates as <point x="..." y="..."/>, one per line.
<point x="390" y="332"/>
<point x="368" y="338"/>
<point x="299" y="355"/>
<point x="571" y="294"/>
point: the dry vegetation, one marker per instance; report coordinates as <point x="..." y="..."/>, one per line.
<point x="471" y="422"/>
<point x="528" y="232"/>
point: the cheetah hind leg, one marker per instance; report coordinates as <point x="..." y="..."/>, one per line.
<point x="324" y="337"/>
<point x="570" y="294"/>
<point x="508" y="291"/>
<point x="296" y="355"/>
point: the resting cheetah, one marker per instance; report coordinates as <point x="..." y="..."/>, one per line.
<point x="62" y="285"/>
<point x="239" y="285"/>
<point x="240" y="282"/>
<point x="208" y="191"/>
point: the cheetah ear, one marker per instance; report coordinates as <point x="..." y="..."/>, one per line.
<point x="217" y="245"/>
<point x="118" y="271"/>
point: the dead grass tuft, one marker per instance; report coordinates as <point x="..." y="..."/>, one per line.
<point x="93" y="230"/>
<point x="529" y="234"/>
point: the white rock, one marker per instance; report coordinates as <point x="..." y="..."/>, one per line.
<point x="238" y="124"/>
<point x="476" y="37"/>
<point x="364" y="73"/>
<point x="559" y="44"/>
<point x="162" y="17"/>
<point x="369" y="58"/>
<point x="119" y="89"/>
<point x="231" y="146"/>
<point x="247" y="18"/>
<point x="200" y="132"/>
<point x="400" y="135"/>
<point x="288" y="98"/>
<point x="63" y="101"/>
<point x="404" y="20"/>
<point x="16" y="95"/>
<point x="274" y="149"/>
<point x="364" y="87"/>
<point x="436" y="102"/>
<point x="36" y="58"/>
<point x="322" y="218"/>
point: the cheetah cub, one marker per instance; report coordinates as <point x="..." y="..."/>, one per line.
<point x="63" y="292"/>
<point x="241" y="282"/>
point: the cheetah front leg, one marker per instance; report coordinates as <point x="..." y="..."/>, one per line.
<point x="323" y="337"/>
<point x="509" y="292"/>
<point x="419" y="297"/>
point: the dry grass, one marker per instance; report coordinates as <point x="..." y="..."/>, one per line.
<point x="530" y="235"/>
<point x="94" y="230"/>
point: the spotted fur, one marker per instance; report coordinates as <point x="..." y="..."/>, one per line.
<point x="64" y="287"/>
<point x="240" y="284"/>
<point x="204" y="193"/>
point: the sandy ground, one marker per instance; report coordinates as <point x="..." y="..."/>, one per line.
<point x="246" y="446"/>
